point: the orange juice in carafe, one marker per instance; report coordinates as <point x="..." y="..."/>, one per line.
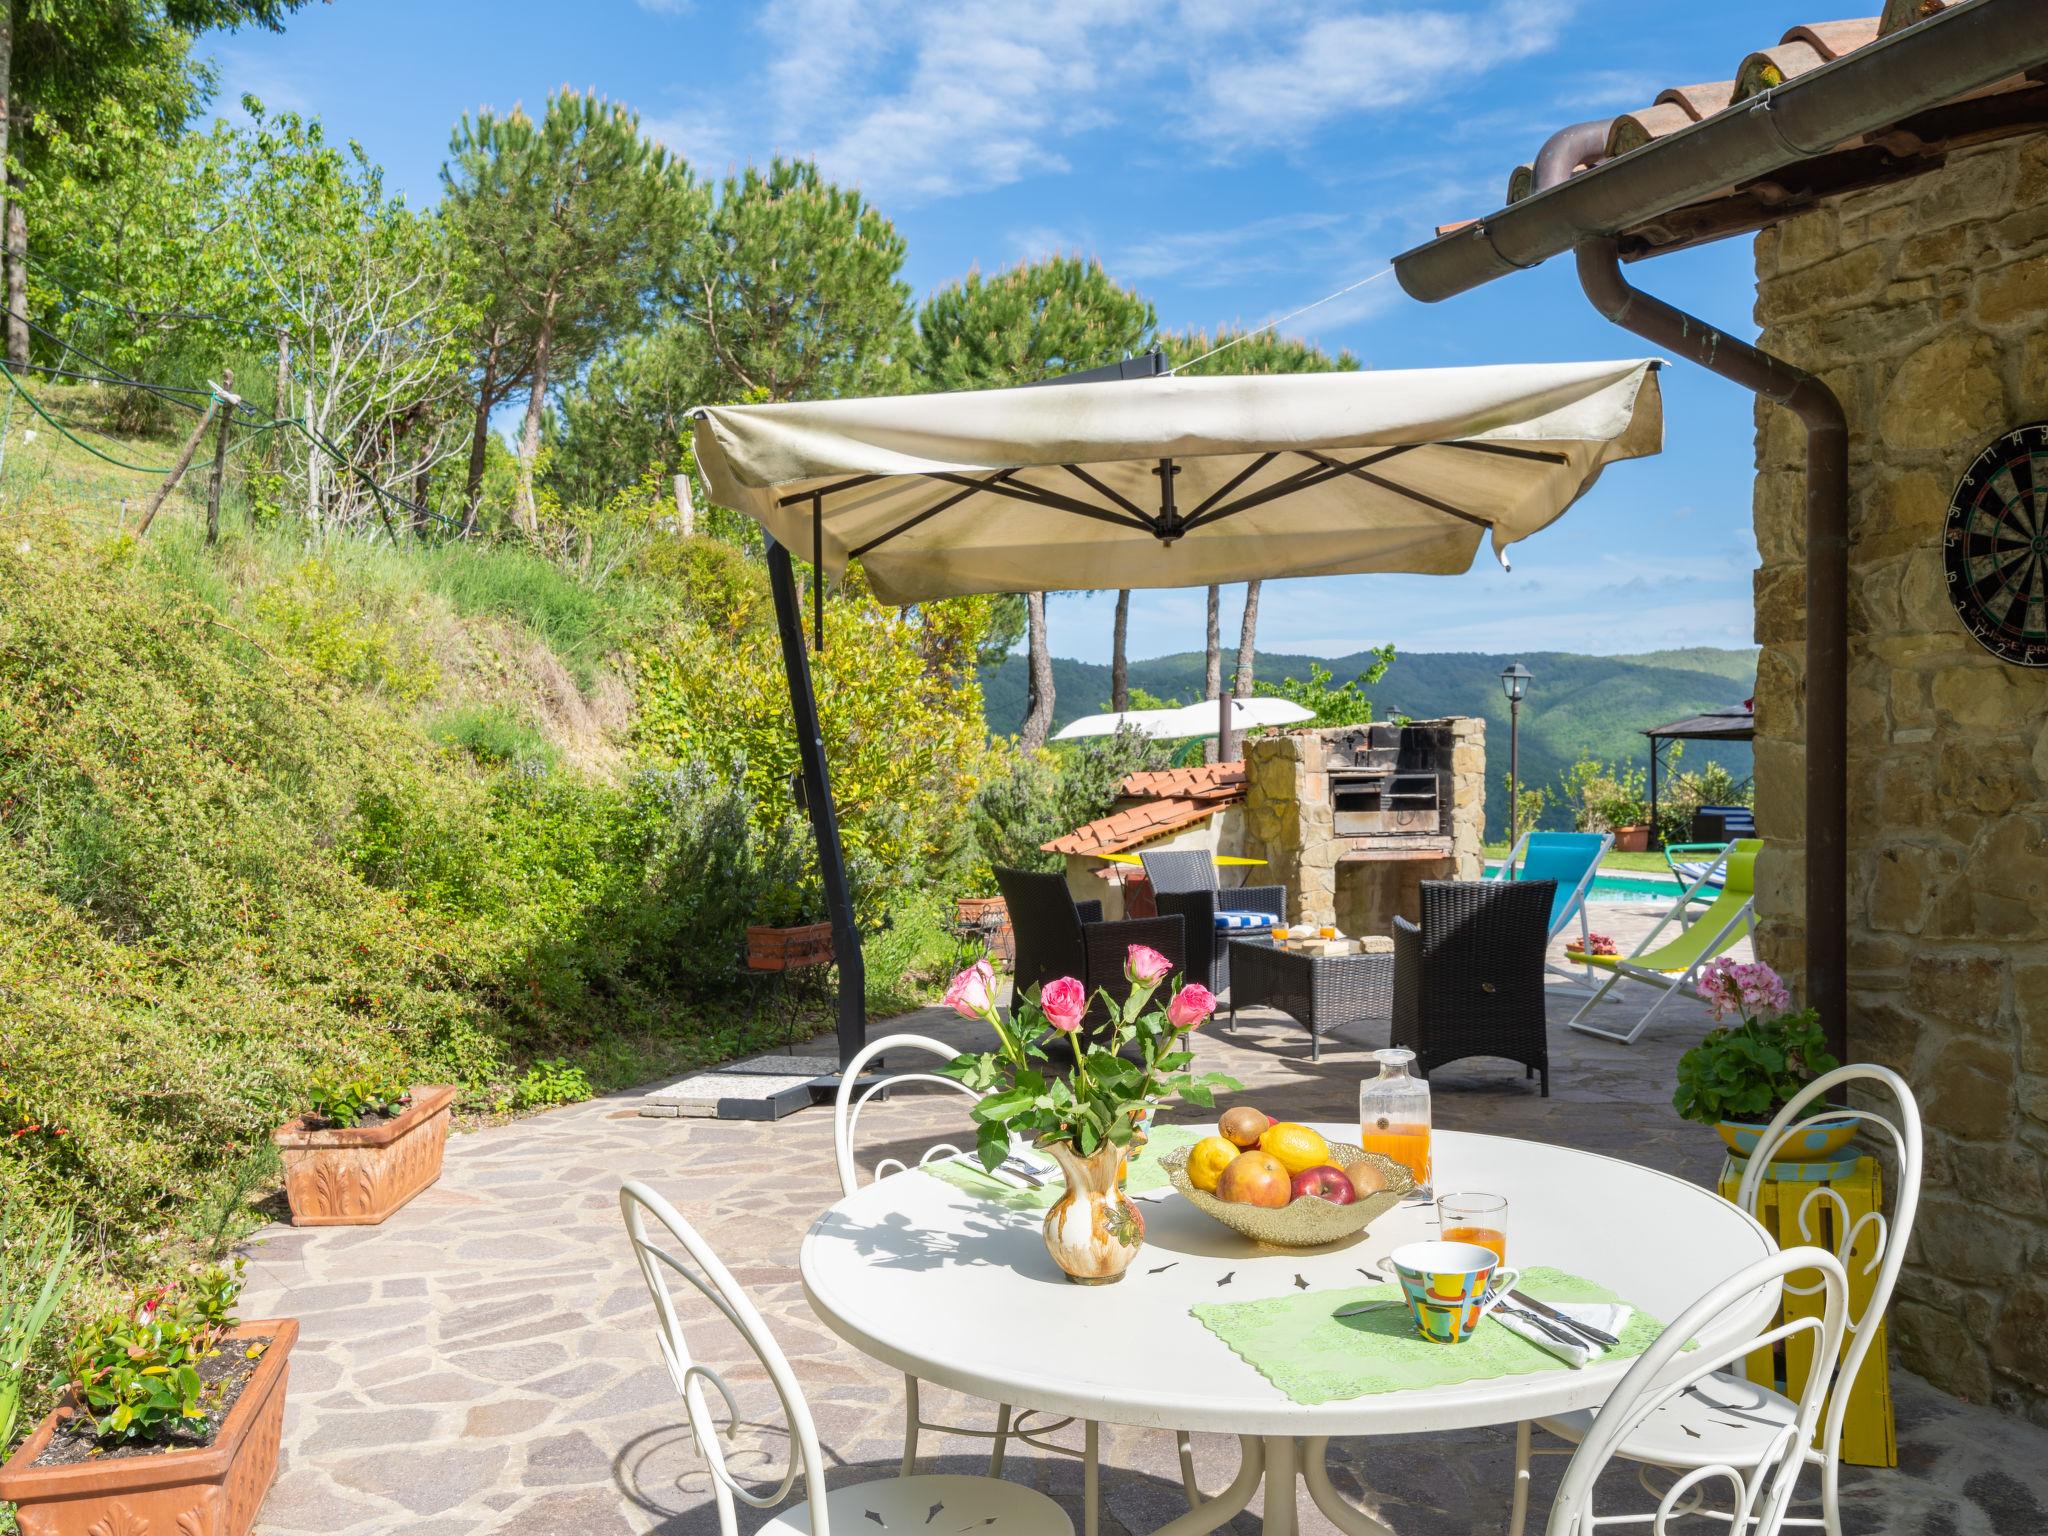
<point x="1393" y="1114"/>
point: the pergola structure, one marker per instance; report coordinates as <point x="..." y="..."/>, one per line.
<point x="1126" y="478"/>
<point x="1735" y="723"/>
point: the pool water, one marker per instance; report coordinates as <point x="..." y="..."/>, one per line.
<point x="1633" y="888"/>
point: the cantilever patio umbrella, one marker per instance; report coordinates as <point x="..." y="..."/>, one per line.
<point x="1155" y="482"/>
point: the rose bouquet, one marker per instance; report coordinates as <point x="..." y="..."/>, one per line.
<point x="1103" y="1101"/>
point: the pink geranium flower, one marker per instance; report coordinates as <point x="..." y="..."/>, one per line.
<point x="1065" y="1002"/>
<point x="1190" y="1005"/>
<point x="1146" y="967"/>
<point x="971" y="994"/>
<point x="1751" y="991"/>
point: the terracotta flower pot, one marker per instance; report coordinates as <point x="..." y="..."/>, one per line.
<point x="1632" y="839"/>
<point x="989" y="916"/>
<point x="789" y="949"/>
<point x="213" y="1491"/>
<point x="355" y="1176"/>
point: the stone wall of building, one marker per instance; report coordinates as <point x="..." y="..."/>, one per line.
<point x="1289" y="823"/>
<point x="1925" y="306"/>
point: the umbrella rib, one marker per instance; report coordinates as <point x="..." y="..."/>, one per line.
<point x="1301" y="480"/>
<point x="1413" y="495"/>
<point x="1125" y="502"/>
<point x="826" y="490"/>
<point x="1038" y="496"/>
<point x="928" y="513"/>
<point x="1230" y="485"/>
<point x="1503" y="449"/>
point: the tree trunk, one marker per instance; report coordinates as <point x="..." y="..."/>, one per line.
<point x="1119" y="658"/>
<point x="6" y="202"/>
<point x="1212" y="658"/>
<point x="536" y="406"/>
<point x="1038" y="709"/>
<point x="1247" y="642"/>
<point x="479" y="439"/>
<point x="17" y="284"/>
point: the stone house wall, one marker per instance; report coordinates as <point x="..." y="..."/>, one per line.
<point x="1924" y="304"/>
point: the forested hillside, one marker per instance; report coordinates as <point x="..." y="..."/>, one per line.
<point x="1578" y="706"/>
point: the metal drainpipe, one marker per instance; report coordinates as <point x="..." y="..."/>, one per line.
<point x="1827" y="600"/>
<point x="1565" y="151"/>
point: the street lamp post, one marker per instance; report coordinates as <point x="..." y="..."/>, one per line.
<point x="1514" y="681"/>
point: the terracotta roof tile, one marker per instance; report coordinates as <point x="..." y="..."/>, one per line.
<point x="1126" y="829"/>
<point x="1201" y="779"/>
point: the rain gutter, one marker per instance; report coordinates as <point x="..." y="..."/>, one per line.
<point x="1964" y="49"/>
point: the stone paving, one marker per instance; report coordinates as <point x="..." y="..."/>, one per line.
<point x="483" y="1362"/>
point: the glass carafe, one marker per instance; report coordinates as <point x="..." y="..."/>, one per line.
<point x="1393" y="1114"/>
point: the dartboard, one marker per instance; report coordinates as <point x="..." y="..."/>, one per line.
<point x="1996" y="547"/>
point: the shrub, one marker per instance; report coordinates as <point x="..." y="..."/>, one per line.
<point x="1046" y="795"/>
<point x="548" y="1083"/>
<point x="1602" y="797"/>
<point x="493" y="734"/>
<point x="345" y="1100"/>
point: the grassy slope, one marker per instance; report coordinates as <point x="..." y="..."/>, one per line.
<point x="1577" y="705"/>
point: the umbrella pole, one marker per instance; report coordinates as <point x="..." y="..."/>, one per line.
<point x="810" y="742"/>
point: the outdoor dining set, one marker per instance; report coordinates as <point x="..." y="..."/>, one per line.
<point x="1604" y="1311"/>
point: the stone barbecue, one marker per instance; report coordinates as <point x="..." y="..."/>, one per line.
<point x="1352" y="818"/>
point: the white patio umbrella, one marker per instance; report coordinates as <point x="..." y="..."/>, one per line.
<point x="1173" y="482"/>
<point x="1154" y="481"/>
<point x="1187" y="720"/>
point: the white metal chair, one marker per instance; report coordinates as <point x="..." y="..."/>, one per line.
<point x="1734" y="1417"/>
<point x="1756" y="1462"/>
<point x="982" y="1504"/>
<point x="846" y="1112"/>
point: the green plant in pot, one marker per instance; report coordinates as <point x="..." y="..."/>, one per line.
<point x="1744" y="1072"/>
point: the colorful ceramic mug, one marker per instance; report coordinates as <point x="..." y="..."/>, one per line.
<point x="1449" y="1287"/>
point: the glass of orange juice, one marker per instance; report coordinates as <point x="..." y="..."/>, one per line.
<point x="1475" y="1218"/>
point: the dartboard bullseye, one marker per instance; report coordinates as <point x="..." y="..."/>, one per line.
<point x="1996" y="547"/>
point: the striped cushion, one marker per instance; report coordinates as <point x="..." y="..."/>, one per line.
<point x="1244" y="920"/>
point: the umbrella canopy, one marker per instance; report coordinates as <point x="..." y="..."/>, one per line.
<point x="1174" y="482"/>
<point x="1188" y="720"/>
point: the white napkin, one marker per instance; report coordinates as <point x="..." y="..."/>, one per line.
<point x="1608" y="1317"/>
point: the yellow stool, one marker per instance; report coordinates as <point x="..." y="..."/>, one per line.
<point x="1856" y="1186"/>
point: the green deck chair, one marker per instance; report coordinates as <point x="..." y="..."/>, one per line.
<point x="1672" y="967"/>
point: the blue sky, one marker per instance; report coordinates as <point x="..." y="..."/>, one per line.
<point x="1230" y="161"/>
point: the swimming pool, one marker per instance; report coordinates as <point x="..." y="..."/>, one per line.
<point x="1622" y="887"/>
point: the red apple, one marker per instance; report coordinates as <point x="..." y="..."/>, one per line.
<point x="1326" y="1182"/>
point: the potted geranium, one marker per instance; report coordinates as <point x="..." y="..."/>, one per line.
<point x="170" y="1421"/>
<point x="1743" y="1073"/>
<point x="366" y="1144"/>
<point x="1089" y="1118"/>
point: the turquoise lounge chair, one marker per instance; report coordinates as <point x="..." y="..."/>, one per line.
<point x="1571" y="859"/>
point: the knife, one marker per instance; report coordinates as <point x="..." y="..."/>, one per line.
<point x="1544" y="1309"/>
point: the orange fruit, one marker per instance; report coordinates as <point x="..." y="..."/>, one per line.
<point x="1296" y="1146"/>
<point x="1211" y="1155"/>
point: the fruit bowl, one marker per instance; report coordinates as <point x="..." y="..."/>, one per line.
<point x="1308" y="1222"/>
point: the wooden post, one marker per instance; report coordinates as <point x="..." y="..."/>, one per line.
<point x="177" y="470"/>
<point x="220" y="463"/>
<point x="686" y="513"/>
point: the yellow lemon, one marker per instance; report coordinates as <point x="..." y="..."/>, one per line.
<point x="1298" y="1148"/>
<point x="1212" y="1154"/>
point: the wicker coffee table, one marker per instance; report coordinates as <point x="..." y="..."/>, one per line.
<point x="1322" y="992"/>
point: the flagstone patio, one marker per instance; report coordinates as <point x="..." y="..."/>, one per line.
<point x="484" y="1361"/>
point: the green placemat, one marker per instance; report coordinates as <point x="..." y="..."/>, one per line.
<point x="1313" y="1356"/>
<point x="1145" y="1175"/>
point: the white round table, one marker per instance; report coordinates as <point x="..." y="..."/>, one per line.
<point x="928" y="1278"/>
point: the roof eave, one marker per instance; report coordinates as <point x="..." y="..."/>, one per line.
<point x="1964" y="49"/>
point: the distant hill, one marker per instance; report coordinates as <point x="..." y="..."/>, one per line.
<point x="1577" y="705"/>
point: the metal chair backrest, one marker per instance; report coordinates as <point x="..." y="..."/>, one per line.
<point x="1177" y="870"/>
<point x="1758" y="1495"/>
<point x="847" y="1107"/>
<point x="667" y="1248"/>
<point x="1870" y="1240"/>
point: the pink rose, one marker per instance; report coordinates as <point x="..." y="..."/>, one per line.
<point x="1146" y="967"/>
<point x="1191" y="1004"/>
<point x="1065" y="1001"/>
<point x="972" y="993"/>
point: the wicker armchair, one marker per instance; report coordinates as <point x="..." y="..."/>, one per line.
<point x="1184" y="882"/>
<point x="1469" y="980"/>
<point x="1059" y="936"/>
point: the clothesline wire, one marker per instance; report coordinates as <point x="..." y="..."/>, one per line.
<point x="1260" y="330"/>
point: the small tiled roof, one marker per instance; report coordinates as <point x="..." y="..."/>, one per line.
<point x="1169" y="800"/>
<point x="1802" y="48"/>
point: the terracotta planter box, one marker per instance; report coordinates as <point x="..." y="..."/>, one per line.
<point x="1631" y="839"/>
<point x="216" y="1491"/>
<point x="355" y="1176"/>
<point x="789" y="949"/>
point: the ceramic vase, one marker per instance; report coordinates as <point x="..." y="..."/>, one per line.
<point x="1093" y="1231"/>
